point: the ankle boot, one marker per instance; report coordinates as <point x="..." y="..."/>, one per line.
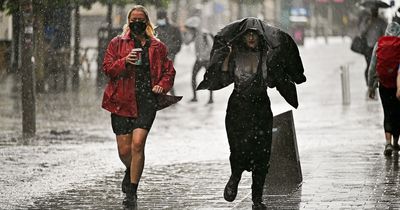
<point x="231" y="188"/>
<point x="256" y="197"/>
<point x="257" y="187"/>
<point x="130" y="199"/>
<point x="126" y="181"/>
<point x="259" y="206"/>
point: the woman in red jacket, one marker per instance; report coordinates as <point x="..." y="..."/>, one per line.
<point x="140" y="74"/>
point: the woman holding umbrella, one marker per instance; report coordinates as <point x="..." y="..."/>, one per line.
<point x="253" y="56"/>
<point x="372" y="27"/>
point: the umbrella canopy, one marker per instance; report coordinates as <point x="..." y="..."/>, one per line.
<point x="236" y="29"/>
<point x="375" y="4"/>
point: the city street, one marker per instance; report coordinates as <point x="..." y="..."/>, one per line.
<point x="73" y="162"/>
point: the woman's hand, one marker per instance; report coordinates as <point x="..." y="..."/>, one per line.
<point x="131" y="58"/>
<point x="398" y="93"/>
<point x="226" y="61"/>
<point x="157" y="89"/>
<point x="371" y="93"/>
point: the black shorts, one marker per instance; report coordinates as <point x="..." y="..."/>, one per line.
<point x="125" y="125"/>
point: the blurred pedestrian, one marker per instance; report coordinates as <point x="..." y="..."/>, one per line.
<point x="140" y="74"/>
<point x="372" y="26"/>
<point x="253" y="56"/>
<point x="398" y="84"/>
<point x="203" y="42"/>
<point x="170" y="35"/>
<point x="383" y="70"/>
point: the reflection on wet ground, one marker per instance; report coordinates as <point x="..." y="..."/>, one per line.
<point x="168" y="187"/>
<point x="182" y="186"/>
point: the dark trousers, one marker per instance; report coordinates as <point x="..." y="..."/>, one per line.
<point x="249" y="128"/>
<point x="196" y="68"/>
<point x="391" y="111"/>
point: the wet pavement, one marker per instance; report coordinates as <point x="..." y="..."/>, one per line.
<point x="73" y="163"/>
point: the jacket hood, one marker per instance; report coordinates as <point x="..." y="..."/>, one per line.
<point x="234" y="30"/>
<point x="393" y="29"/>
<point x="285" y="68"/>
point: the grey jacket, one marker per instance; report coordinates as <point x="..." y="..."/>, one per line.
<point x="203" y="42"/>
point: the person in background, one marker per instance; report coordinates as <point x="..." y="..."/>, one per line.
<point x="398" y="84"/>
<point x="372" y="26"/>
<point x="396" y="19"/>
<point x="383" y="73"/>
<point x="253" y="56"/>
<point x="203" y="42"/>
<point x="170" y="35"/>
<point x="138" y="82"/>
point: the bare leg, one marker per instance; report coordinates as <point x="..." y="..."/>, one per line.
<point x="139" y="136"/>
<point x="195" y="71"/>
<point x="388" y="137"/>
<point x="124" y="148"/>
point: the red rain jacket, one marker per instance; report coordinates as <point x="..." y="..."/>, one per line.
<point x="119" y="95"/>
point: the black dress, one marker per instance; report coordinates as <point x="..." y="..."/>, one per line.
<point x="249" y="125"/>
<point x="146" y="99"/>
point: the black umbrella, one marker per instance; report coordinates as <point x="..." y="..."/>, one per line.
<point x="375" y="4"/>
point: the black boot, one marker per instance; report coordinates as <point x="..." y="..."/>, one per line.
<point x="257" y="187"/>
<point x="259" y="206"/>
<point x="130" y="200"/>
<point x="256" y="197"/>
<point x="231" y="187"/>
<point x="127" y="180"/>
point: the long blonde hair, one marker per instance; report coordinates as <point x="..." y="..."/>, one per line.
<point x="150" y="26"/>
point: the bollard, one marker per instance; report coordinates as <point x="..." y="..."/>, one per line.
<point x="284" y="174"/>
<point x="345" y="77"/>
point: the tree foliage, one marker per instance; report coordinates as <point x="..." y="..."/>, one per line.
<point x="11" y="6"/>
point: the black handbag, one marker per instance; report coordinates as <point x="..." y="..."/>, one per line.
<point x="359" y="44"/>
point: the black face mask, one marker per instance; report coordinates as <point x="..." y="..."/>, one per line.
<point x="137" y="27"/>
